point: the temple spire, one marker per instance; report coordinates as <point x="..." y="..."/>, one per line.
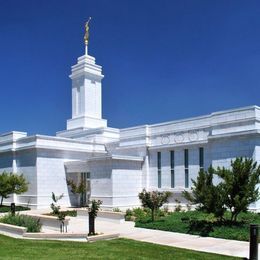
<point x="86" y="36"/>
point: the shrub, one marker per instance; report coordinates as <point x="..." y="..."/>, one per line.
<point x="143" y="214"/>
<point x="153" y="200"/>
<point x="129" y="212"/>
<point x="203" y="227"/>
<point x="161" y="213"/>
<point x="188" y="206"/>
<point x="30" y="223"/>
<point x="178" y="206"/>
<point x="8" y="208"/>
<point x="166" y="209"/>
<point x="139" y="214"/>
<point x="70" y="213"/>
<point x="116" y="210"/>
<point x="129" y="215"/>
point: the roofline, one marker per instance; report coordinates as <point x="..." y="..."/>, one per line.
<point x="193" y="118"/>
<point x="116" y="157"/>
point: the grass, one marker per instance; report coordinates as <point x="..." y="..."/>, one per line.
<point x="4" y="209"/>
<point x="112" y="249"/>
<point x="206" y="224"/>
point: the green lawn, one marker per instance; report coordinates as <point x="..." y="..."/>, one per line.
<point x="11" y="248"/>
<point x="180" y="222"/>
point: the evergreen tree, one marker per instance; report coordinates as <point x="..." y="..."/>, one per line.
<point x="236" y="190"/>
<point x="240" y="185"/>
<point x="207" y="196"/>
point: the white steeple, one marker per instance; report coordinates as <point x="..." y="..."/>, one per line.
<point x="86" y="78"/>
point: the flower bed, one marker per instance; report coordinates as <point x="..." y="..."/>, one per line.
<point x="117" y="217"/>
<point x="50" y="222"/>
<point x="32" y="225"/>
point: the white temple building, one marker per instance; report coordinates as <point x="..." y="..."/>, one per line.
<point x="118" y="163"/>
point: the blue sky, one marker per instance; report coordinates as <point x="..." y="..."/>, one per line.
<point x="162" y="60"/>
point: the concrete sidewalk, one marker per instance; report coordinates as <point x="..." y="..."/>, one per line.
<point x="205" y="244"/>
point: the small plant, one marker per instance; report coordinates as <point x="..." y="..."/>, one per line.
<point x="211" y="218"/>
<point x="129" y="215"/>
<point x="129" y="212"/>
<point x="61" y="216"/>
<point x="178" y="206"/>
<point x="30" y="223"/>
<point x="188" y="206"/>
<point x="116" y="210"/>
<point x="54" y="205"/>
<point x="166" y="210"/>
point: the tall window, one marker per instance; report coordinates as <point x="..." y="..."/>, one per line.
<point x="172" y="169"/>
<point x="186" y="167"/>
<point x="201" y="158"/>
<point x="159" y="167"/>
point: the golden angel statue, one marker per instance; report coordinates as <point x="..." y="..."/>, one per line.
<point x="86" y="37"/>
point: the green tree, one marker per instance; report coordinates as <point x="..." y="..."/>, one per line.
<point x="79" y="189"/>
<point x="236" y="190"/>
<point x="153" y="200"/>
<point x="11" y="183"/>
<point x="207" y="196"/>
<point x="240" y="185"/>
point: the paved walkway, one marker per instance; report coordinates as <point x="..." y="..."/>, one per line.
<point x="205" y="244"/>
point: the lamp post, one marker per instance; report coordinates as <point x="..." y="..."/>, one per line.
<point x="253" y="254"/>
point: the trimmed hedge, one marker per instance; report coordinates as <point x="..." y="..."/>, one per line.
<point x="4" y="209"/>
<point x="70" y="213"/>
